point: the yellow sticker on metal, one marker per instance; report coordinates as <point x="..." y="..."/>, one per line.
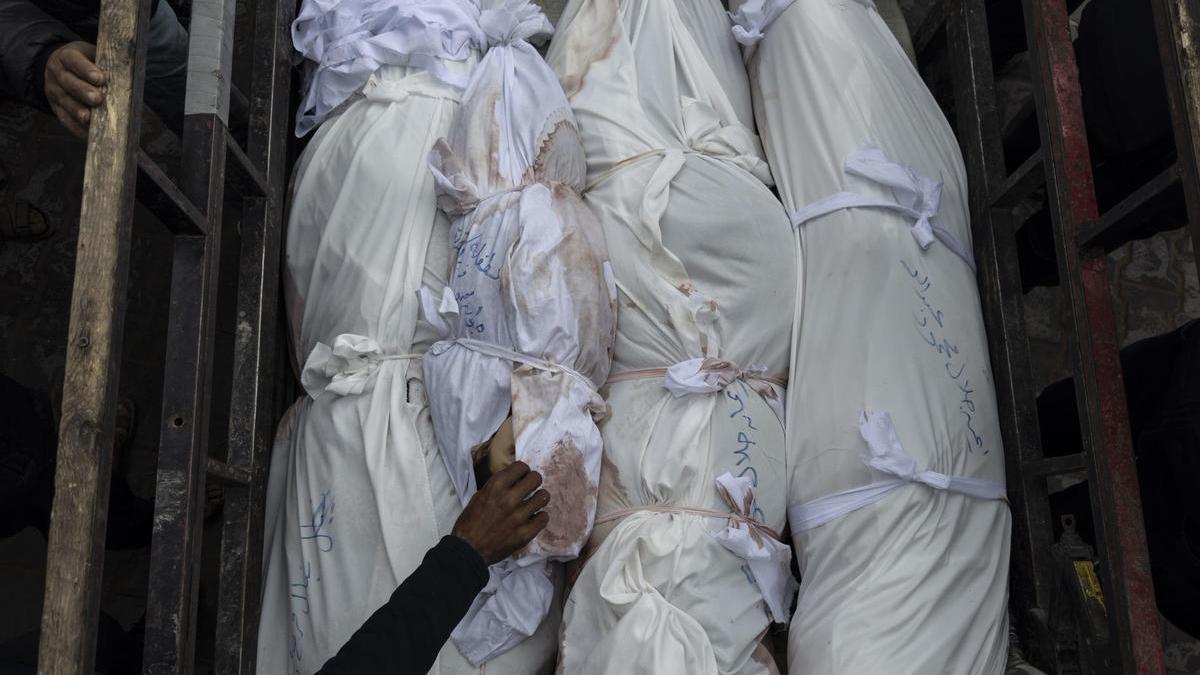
<point x="1089" y="583"/>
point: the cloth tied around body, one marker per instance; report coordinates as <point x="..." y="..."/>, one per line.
<point x="885" y="453"/>
<point x="347" y="368"/>
<point x="528" y="314"/>
<point x="768" y="558"/>
<point x="915" y="196"/>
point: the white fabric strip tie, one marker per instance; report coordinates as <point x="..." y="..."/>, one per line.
<point x="628" y="162"/>
<point x="754" y="17"/>
<point x="435" y="314"/>
<point x="700" y="376"/>
<point x="890" y="457"/>
<point x="768" y="558"/>
<point x="915" y="196"/>
<point x="348" y="368"/>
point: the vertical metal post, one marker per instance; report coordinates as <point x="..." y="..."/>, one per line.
<point x="1178" y="23"/>
<point x="1116" y="500"/>
<point x="252" y="413"/>
<point x="1000" y="289"/>
<point x="183" y="444"/>
<point x="75" y="558"/>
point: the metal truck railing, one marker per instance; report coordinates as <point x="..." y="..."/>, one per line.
<point x="221" y="184"/>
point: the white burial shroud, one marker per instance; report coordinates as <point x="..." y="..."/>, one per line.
<point x="683" y="571"/>
<point x="357" y="490"/>
<point x="895" y="460"/>
<point x="528" y="315"/>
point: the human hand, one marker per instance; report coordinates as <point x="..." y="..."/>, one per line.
<point x="503" y="516"/>
<point x="74" y="85"/>
<point x="502" y="449"/>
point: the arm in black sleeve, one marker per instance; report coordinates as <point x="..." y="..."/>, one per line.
<point x="406" y="634"/>
<point x="27" y="36"/>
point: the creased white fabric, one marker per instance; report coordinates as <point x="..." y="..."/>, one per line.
<point x="529" y="311"/>
<point x="885" y="326"/>
<point x="915" y="196"/>
<point x="770" y="560"/>
<point x="357" y="491"/>
<point x="349" y="367"/>
<point x="344" y="41"/>
<point x="704" y="262"/>
<point x="754" y="17"/>
<point x="705" y="376"/>
<point x="888" y="456"/>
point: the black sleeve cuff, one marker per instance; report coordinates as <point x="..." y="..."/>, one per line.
<point x="460" y="555"/>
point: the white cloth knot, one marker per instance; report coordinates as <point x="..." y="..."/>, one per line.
<point x="703" y="375"/>
<point x="920" y="195"/>
<point x="889" y="456"/>
<point x="886" y="454"/>
<point x="915" y="196"/>
<point x="345" y="41"/>
<point x="347" y="368"/>
<point x="751" y="19"/>
<point x="754" y="17"/>
<point x="510" y="21"/>
<point x="708" y="134"/>
<point x="768" y="558"/>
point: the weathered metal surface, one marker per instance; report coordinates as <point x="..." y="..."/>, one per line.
<point x="1028" y="177"/>
<point x="75" y="556"/>
<point x="179" y="499"/>
<point x="1121" y="222"/>
<point x="1000" y="291"/>
<point x="157" y="192"/>
<point x="1178" y="24"/>
<point x="245" y="178"/>
<point x="1116" y="499"/>
<point x="256" y="364"/>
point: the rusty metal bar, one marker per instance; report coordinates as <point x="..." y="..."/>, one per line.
<point x="1055" y="466"/>
<point x="1028" y="177"/>
<point x="75" y="555"/>
<point x="157" y="192"/>
<point x="228" y="474"/>
<point x="245" y="179"/>
<point x="1116" y="500"/>
<point x="183" y="442"/>
<point x="1178" y="24"/>
<point x="933" y="24"/>
<point x="1000" y="290"/>
<point x="252" y="405"/>
<point x="1114" y="228"/>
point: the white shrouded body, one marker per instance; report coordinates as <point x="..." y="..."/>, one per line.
<point x="895" y="461"/>
<point x="704" y="261"/>
<point x="528" y="315"/>
<point x="357" y="491"/>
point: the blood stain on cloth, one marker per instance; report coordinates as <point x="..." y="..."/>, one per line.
<point x="571" y="497"/>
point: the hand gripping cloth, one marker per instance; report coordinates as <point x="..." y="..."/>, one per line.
<point x="683" y="572"/>
<point x="357" y="491"/>
<point x="896" y="468"/>
<point x="528" y="315"/>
